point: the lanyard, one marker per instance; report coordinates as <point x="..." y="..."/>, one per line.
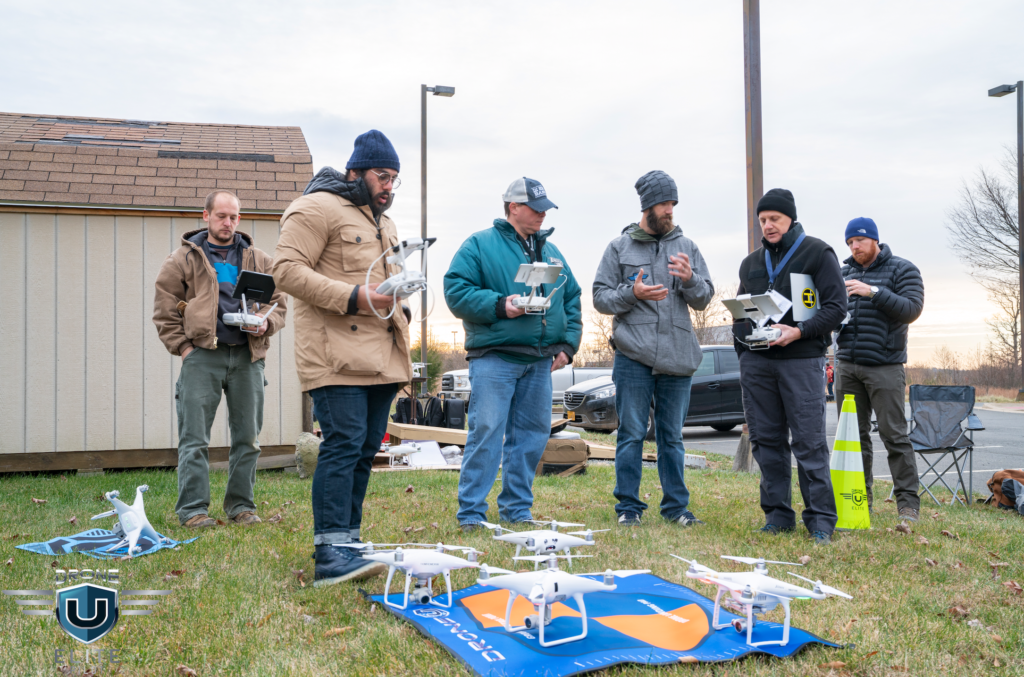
<point x="774" y="272"/>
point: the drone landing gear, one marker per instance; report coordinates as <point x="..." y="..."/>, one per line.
<point x="532" y="622"/>
<point x="422" y="593"/>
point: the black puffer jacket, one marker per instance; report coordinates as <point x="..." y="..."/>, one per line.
<point x="877" y="331"/>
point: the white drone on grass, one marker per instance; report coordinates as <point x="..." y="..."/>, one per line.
<point x="546" y="541"/>
<point x="754" y="593"/>
<point x="544" y="588"/>
<point x="132" y="522"/>
<point x="399" y="453"/>
<point x="421" y="563"/>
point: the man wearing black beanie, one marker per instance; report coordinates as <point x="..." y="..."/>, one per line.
<point x="784" y="385"/>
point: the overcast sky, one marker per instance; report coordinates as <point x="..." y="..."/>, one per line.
<point x="872" y="109"/>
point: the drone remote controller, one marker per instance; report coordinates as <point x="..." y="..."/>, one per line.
<point x="762" y="336"/>
<point x="534" y="275"/>
<point x="249" y="322"/>
<point x="405" y="283"/>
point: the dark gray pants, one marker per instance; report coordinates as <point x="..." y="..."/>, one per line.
<point x="783" y="397"/>
<point x="882" y="388"/>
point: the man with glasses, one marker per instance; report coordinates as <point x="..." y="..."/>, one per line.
<point x="349" y="360"/>
<point x="511" y="352"/>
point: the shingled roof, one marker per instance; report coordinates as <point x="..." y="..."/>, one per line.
<point x="46" y="159"/>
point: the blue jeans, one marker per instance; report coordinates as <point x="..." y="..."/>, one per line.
<point x="353" y="420"/>
<point x="510" y="401"/>
<point x="635" y="387"/>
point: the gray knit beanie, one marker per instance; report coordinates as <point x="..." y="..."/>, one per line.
<point x="654" y="188"/>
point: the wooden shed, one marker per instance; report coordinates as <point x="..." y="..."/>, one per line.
<point x="89" y="210"/>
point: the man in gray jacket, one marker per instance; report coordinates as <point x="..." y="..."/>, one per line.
<point x="648" y="278"/>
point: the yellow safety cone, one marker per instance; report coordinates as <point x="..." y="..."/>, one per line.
<point x="847" y="468"/>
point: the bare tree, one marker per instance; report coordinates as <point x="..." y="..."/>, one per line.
<point x="708" y="323"/>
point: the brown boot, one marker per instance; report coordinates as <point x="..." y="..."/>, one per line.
<point x="247" y="517"/>
<point x="908" y="515"/>
<point x="199" y="521"/>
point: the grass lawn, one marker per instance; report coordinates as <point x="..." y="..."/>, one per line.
<point x="238" y="608"/>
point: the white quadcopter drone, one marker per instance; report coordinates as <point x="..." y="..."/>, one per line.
<point x="399" y="453"/>
<point x="545" y="541"/>
<point x="533" y="275"/>
<point x="544" y="588"/>
<point x="759" y="308"/>
<point x="259" y="286"/>
<point x="423" y="565"/>
<point x="754" y="593"/>
<point x="132" y="522"/>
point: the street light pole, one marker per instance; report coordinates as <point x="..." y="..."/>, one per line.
<point x="752" y="99"/>
<point x="437" y="91"/>
<point x="1003" y="90"/>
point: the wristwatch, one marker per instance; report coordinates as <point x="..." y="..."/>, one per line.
<point x="800" y="326"/>
<point x="874" y="290"/>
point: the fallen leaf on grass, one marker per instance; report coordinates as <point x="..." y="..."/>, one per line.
<point x="433" y="525"/>
<point x="930" y="562"/>
<point x="849" y="626"/>
<point x="993" y="555"/>
<point x="73" y="520"/>
<point x="409" y="489"/>
<point x="53" y="564"/>
<point x="975" y="623"/>
<point x="888" y="530"/>
<point x="898" y="668"/>
<point x="995" y="663"/>
<point x="9" y="562"/>
<point x="922" y="540"/>
<point x="957" y="611"/>
<point x="337" y="631"/>
<point x="292" y="531"/>
<point x="265" y="503"/>
<point x="275" y="519"/>
<point x="373" y="607"/>
<point x="39" y="501"/>
<point x="959" y="565"/>
<point x="299" y="573"/>
<point x="889" y="500"/>
<point x="803" y="559"/>
<point x="997" y="638"/>
<point x="186" y="671"/>
<point x="418" y="529"/>
<point x="287" y="503"/>
<point x="264" y="619"/>
<point x="307" y="619"/>
<point x="935" y="515"/>
<point x="171" y="575"/>
<point x="950" y="534"/>
<point x="406" y="530"/>
<point x="1014" y="587"/>
<point x="903" y="528"/>
<point x="647" y="496"/>
<point x="865" y="655"/>
<point x="832" y="665"/>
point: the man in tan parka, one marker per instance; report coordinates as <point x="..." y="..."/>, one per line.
<point x="350" y="360"/>
<point x="193" y="291"/>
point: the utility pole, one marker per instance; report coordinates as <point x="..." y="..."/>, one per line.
<point x="752" y="104"/>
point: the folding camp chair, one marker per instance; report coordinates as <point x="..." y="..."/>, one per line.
<point x="937" y="417"/>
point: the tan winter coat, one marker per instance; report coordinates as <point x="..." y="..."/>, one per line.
<point x="187" y="293"/>
<point x="327" y="244"/>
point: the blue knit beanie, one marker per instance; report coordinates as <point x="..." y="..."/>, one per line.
<point x="373" y="150"/>
<point x="861" y="227"/>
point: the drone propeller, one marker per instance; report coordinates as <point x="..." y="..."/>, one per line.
<point x="545" y="558"/>
<point x="587" y="532"/>
<point x="486" y="571"/>
<point x="820" y="587"/>
<point x="621" y="573"/>
<point x="696" y="566"/>
<point x="371" y="546"/>
<point x="498" y="527"/>
<point x="556" y="523"/>
<point x="758" y="560"/>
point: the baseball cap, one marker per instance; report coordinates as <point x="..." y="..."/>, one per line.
<point x="529" y="192"/>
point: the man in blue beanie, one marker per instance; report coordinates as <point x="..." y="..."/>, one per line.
<point x="886" y="295"/>
<point x="349" y="360"/>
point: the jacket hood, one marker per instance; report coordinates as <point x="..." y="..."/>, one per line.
<point x="884" y="255"/>
<point x="506" y="228"/>
<point x="197" y="237"/>
<point x="640" y="235"/>
<point x="787" y="240"/>
<point x="330" y="180"/>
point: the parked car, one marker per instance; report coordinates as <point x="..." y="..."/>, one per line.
<point x="715" y="397"/>
<point x="455" y="384"/>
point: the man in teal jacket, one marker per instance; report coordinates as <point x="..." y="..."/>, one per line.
<point x="511" y="353"/>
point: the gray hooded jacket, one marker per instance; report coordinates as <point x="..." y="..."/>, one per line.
<point x="658" y="334"/>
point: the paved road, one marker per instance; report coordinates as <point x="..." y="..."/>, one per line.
<point x="1000" y="445"/>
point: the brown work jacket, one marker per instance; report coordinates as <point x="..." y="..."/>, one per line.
<point x="187" y="293"/>
<point x="327" y="244"/>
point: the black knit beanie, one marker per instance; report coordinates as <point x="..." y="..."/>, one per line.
<point x="778" y="200"/>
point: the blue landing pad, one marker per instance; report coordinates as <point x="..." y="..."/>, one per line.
<point x="94" y="543"/>
<point x="646" y="620"/>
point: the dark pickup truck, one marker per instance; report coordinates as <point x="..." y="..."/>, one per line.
<point x="715" y="396"/>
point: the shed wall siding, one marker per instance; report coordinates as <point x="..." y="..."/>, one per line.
<point x="81" y="366"/>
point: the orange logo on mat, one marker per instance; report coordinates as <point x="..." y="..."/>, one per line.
<point x="489" y="608"/>
<point x="676" y="630"/>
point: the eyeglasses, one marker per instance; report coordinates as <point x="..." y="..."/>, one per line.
<point x="385" y="178"/>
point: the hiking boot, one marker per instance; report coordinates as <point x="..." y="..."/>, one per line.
<point x="199" y="521"/>
<point x="821" y="538"/>
<point x="338" y="565"/>
<point x="774" y="530"/>
<point x="687" y="519"/>
<point x="908" y="515"/>
<point x="470" y="527"/>
<point x="629" y="519"/>
<point x="247" y="517"/>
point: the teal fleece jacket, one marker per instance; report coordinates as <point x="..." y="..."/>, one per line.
<point x="482" y="274"/>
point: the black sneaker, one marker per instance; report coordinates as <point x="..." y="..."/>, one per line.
<point x="774" y="530"/>
<point x="629" y="519"/>
<point x="821" y="538"/>
<point x="338" y="565"/>
<point x="687" y="519"/>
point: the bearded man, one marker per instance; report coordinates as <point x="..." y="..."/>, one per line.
<point x="649" y="278"/>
